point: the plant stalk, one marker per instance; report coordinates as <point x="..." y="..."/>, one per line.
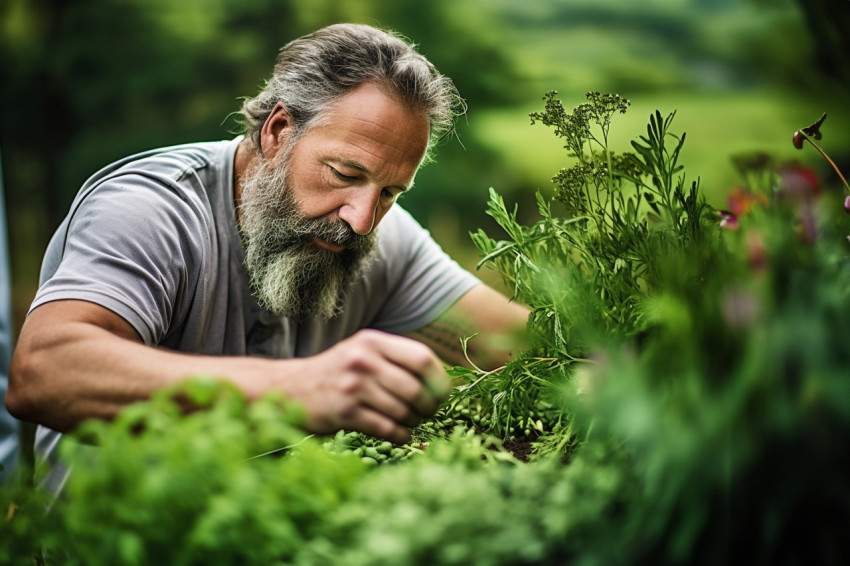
<point x="825" y="156"/>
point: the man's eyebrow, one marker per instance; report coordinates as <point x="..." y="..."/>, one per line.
<point x="355" y="165"/>
<point x="352" y="164"/>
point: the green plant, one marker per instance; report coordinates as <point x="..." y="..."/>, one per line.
<point x="22" y="522"/>
<point x="208" y="487"/>
<point x="708" y="363"/>
<point x="600" y="268"/>
<point x="464" y="503"/>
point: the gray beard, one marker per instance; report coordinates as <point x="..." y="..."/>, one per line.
<point x="290" y="275"/>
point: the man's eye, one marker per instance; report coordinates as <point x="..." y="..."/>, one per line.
<point x="342" y="177"/>
<point x="388" y="195"/>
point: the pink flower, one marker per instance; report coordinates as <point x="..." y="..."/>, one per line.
<point x="728" y="220"/>
<point x="798" y="183"/>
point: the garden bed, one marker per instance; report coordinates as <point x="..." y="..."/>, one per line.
<point x="684" y="399"/>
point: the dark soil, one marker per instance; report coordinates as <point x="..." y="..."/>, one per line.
<point x="519" y="447"/>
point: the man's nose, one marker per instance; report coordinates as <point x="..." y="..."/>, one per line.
<point x="361" y="210"/>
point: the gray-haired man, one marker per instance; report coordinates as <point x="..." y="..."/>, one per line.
<point x="276" y="260"/>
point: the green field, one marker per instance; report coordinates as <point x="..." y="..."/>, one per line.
<point x="718" y="126"/>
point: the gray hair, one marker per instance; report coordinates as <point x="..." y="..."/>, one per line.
<point x="317" y="69"/>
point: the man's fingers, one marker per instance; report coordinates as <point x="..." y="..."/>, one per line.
<point x="375" y="393"/>
<point x="417" y="359"/>
<point x="377" y="383"/>
<point x="407" y="388"/>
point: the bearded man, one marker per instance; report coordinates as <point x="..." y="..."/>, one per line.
<point x="276" y="260"/>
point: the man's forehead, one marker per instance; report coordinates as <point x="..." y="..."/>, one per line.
<point x="367" y="124"/>
<point x="369" y="102"/>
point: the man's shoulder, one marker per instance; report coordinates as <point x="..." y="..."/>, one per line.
<point x="199" y="173"/>
<point x="399" y="231"/>
<point x="171" y="162"/>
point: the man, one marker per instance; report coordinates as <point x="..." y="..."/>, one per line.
<point x="277" y="260"/>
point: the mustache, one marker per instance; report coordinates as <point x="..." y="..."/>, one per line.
<point x="285" y="232"/>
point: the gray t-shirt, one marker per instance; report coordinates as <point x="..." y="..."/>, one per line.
<point x="154" y="239"/>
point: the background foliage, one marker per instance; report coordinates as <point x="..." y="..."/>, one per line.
<point x="86" y="82"/>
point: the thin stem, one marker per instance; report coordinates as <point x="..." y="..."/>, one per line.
<point x="825" y="156"/>
<point x="483" y="375"/>
<point x="283" y="448"/>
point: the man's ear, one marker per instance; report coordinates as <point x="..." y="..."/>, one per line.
<point x="276" y="131"/>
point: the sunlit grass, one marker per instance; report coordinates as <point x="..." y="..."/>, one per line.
<point x="718" y="125"/>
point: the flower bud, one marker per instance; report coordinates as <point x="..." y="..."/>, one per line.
<point x="847" y="205"/>
<point x="798" y="139"/>
<point x="728" y="220"/>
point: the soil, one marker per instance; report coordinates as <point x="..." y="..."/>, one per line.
<point x="519" y="447"/>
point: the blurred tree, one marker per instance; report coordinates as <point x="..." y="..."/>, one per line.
<point x="829" y="24"/>
<point x="87" y="82"/>
<point x="458" y="37"/>
<point x="36" y="117"/>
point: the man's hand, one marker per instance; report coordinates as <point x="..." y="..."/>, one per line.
<point x="76" y="360"/>
<point x="372" y="382"/>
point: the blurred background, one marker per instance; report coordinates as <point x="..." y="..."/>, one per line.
<point x="86" y="82"/>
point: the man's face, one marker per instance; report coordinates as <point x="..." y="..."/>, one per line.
<point x="308" y="213"/>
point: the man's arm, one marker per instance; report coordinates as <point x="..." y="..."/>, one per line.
<point x="76" y="360"/>
<point x="499" y="326"/>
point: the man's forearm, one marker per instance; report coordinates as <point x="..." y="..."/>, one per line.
<point x="76" y="360"/>
<point x="64" y="373"/>
<point x="497" y="324"/>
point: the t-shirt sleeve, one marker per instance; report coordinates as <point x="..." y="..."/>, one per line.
<point x="423" y="281"/>
<point x="128" y="245"/>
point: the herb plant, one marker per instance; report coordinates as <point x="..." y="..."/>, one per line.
<point x="596" y="270"/>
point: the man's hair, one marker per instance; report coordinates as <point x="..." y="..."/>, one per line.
<point x="317" y="69"/>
